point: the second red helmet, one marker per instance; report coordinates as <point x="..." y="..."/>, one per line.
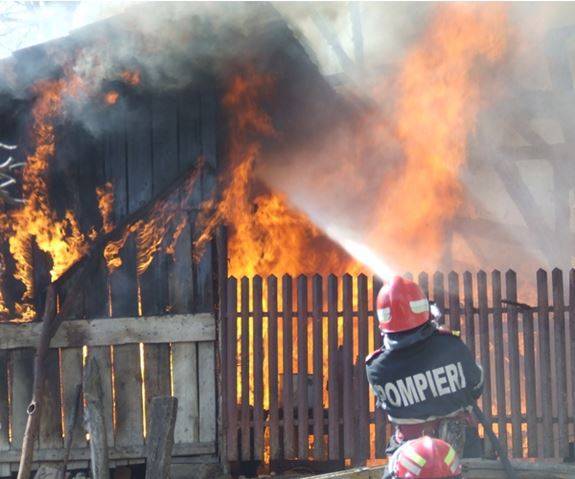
<point x="401" y="306"/>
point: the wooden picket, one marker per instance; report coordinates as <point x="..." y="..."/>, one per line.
<point x="330" y="330"/>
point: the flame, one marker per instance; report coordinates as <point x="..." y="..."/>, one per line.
<point x="36" y="222"/>
<point x="267" y="235"/>
<point x="439" y="97"/>
<point x="152" y="232"/>
<point x="111" y="97"/>
<point x="105" y="194"/>
<point x="131" y="77"/>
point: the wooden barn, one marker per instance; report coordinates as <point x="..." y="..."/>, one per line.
<point x="149" y="136"/>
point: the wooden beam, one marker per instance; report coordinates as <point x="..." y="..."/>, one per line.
<point x="115" y="454"/>
<point x="333" y="41"/>
<point x="175" y="328"/>
<point x="355" y="14"/>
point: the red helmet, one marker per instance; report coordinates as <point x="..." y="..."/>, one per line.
<point x="425" y="458"/>
<point x="401" y="306"/>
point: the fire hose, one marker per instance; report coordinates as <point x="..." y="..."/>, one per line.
<point x="507" y="467"/>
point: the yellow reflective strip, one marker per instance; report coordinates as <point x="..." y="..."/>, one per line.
<point x="410" y="452"/>
<point x="450" y="456"/>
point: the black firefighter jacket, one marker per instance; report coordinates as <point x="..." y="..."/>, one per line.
<point x="422" y="375"/>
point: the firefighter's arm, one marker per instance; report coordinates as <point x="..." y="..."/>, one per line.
<point x="473" y="374"/>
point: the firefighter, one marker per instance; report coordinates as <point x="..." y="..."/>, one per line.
<point x="424" y="377"/>
<point x="424" y="458"/>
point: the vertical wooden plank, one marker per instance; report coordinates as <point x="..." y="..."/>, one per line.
<point x="484" y="344"/>
<point x="126" y="149"/>
<point x="302" y="376"/>
<point x="333" y="383"/>
<point x="318" y="427"/>
<point x="232" y="370"/>
<point x="423" y="281"/>
<point x="207" y="391"/>
<point x="181" y="285"/>
<point x="469" y="314"/>
<point x="207" y="103"/>
<point x="287" y="387"/>
<point x="258" y="372"/>
<point x="530" y="386"/>
<point x="154" y="284"/>
<point x="380" y="418"/>
<point x="439" y="294"/>
<point x="185" y="370"/>
<point x="22" y="375"/>
<point x="363" y="390"/>
<point x="245" y="368"/>
<point x="273" y="346"/>
<point x="499" y="358"/>
<point x="514" y="368"/>
<point x="71" y="376"/>
<point x="349" y="427"/>
<point x="50" y="435"/>
<point x="454" y="304"/>
<point x="4" y="402"/>
<point x="104" y="357"/>
<point x="560" y="361"/>
<point x="545" y="362"/>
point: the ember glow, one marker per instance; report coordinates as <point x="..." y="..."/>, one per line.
<point x="111" y="97"/>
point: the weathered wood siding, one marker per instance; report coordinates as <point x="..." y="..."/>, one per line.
<point x="127" y="441"/>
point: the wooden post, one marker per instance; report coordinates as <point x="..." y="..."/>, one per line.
<point x="232" y="370"/>
<point x="530" y="385"/>
<point x="245" y="369"/>
<point x="318" y="341"/>
<point x="258" y="370"/>
<point x="484" y="343"/>
<point x="499" y="359"/>
<point x="160" y="440"/>
<point x="545" y="362"/>
<point x="273" y="380"/>
<point x="514" y="372"/>
<point x="333" y="383"/>
<point x="35" y="408"/>
<point x="287" y="391"/>
<point x="302" y="376"/>
<point x="349" y="397"/>
<point x="95" y="421"/>
<point x="363" y="451"/>
<point x="560" y="362"/>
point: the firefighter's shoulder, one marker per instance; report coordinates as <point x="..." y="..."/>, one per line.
<point x="444" y="331"/>
<point x="370" y="357"/>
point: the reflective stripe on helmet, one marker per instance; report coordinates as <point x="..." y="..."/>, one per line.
<point x="384" y="315"/>
<point x="410" y="466"/>
<point x="414" y="456"/>
<point x="419" y="306"/>
<point x="451" y="460"/>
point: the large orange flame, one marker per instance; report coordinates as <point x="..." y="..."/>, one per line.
<point x="439" y="97"/>
<point x="36" y="221"/>
<point x="267" y="236"/>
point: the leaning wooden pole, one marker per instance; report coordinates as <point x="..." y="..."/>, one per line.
<point x="76" y="275"/>
<point x="95" y="421"/>
<point x="35" y="407"/>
